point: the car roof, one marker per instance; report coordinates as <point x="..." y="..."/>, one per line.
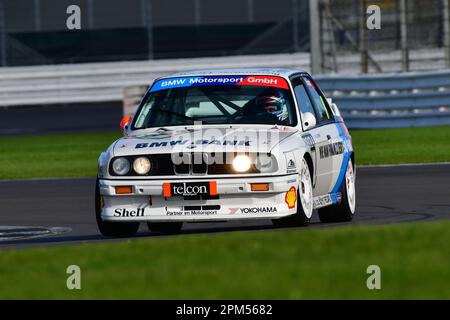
<point x="285" y="73"/>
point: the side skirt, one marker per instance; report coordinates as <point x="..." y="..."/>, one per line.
<point x="327" y="200"/>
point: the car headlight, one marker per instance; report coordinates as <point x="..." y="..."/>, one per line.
<point x="242" y="163"/>
<point x="142" y="165"/>
<point x="121" y="166"/>
<point x="264" y="163"/>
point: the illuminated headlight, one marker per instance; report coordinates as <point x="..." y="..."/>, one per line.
<point x="242" y="163"/>
<point x="264" y="163"/>
<point x="142" y="165"/>
<point x="121" y="166"/>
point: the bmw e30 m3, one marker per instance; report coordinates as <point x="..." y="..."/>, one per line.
<point x="222" y="145"/>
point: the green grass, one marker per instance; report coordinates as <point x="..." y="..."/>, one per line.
<point x="286" y="264"/>
<point x="58" y="155"/>
<point x="75" y="155"/>
<point x="406" y="145"/>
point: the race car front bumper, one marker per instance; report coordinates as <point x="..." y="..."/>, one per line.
<point x="234" y="200"/>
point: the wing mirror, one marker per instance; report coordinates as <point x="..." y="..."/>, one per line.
<point x="309" y="120"/>
<point x="125" y="123"/>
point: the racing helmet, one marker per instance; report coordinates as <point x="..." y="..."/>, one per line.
<point x="273" y="103"/>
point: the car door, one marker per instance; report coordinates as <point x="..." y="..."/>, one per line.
<point x="331" y="151"/>
<point x="314" y="134"/>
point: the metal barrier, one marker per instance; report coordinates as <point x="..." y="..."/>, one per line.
<point x="368" y="101"/>
<point x="391" y="100"/>
<point x="102" y="82"/>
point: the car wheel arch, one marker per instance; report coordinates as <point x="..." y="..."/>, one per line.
<point x="309" y="160"/>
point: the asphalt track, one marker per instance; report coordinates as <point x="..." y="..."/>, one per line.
<point x="61" y="211"/>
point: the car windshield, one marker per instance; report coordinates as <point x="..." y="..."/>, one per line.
<point x="217" y="100"/>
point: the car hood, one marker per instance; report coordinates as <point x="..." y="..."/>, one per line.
<point x="211" y="139"/>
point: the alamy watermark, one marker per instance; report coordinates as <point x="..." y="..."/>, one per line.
<point x="73" y="281"/>
<point x="73" y="21"/>
<point x="374" y="280"/>
<point x="374" y="17"/>
<point x="221" y="145"/>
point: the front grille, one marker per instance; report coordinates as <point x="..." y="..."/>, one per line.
<point x="199" y="163"/>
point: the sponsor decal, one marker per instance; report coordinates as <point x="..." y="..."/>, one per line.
<point x="323" y="201"/>
<point x="160" y="144"/>
<point x="309" y="140"/>
<point x="264" y="81"/>
<point x="123" y="213"/>
<point x="180" y="82"/>
<point x="253" y="210"/>
<point x="291" y="167"/>
<point x="332" y="149"/>
<point x="192" y="213"/>
<point x="291" y="198"/>
<point x="189" y="189"/>
<point x="193" y="144"/>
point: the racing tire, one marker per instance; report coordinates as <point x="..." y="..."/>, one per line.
<point x="345" y="210"/>
<point x="112" y="229"/>
<point x="165" y="227"/>
<point x="304" y="202"/>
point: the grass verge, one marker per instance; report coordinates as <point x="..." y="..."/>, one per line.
<point x="75" y="155"/>
<point x="403" y="145"/>
<point x="281" y="264"/>
<point x="56" y="155"/>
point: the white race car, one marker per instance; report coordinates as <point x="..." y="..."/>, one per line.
<point x="222" y="145"/>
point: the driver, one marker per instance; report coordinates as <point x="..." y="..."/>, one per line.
<point x="273" y="103"/>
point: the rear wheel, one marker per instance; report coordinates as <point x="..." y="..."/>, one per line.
<point x="165" y="227"/>
<point x="304" y="201"/>
<point x="112" y="229"/>
<point x="345" y="210"/>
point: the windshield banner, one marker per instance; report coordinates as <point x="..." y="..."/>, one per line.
<point x="262" y="81"/>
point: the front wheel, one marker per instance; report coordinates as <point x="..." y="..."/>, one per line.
<point x="112" y="229"/>
<point x="345" y="210"/>
<point x="304" y="201"/>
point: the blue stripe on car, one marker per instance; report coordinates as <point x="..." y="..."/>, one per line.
<point x="345" y="160"/>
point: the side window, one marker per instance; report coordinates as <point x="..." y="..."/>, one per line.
<point x="323" y="111"/>
<point x="303" y="101"/>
